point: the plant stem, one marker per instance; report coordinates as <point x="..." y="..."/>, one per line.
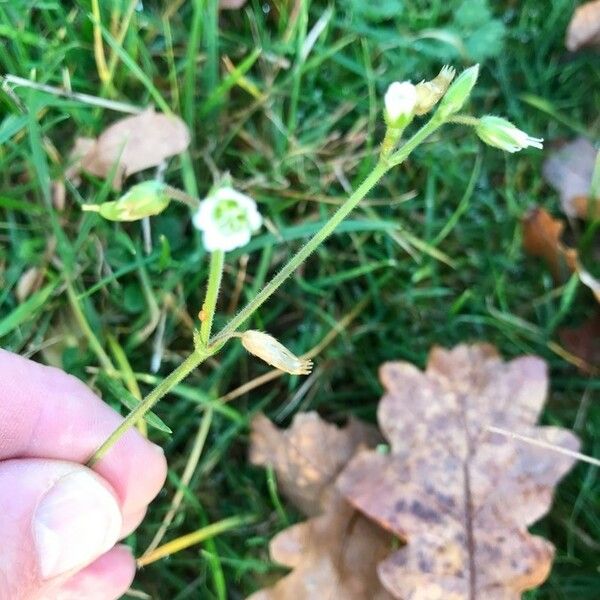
<point x="217" y="261"/>
<point x="381" y="168"/>
<point x="181" y="196"/>
<point x="169" y="382"/>
<point x="464" y="120"/>
<point x="200" y="354"/>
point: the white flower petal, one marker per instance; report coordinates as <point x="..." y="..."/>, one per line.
<point x="227" y="219"/>
<point x="400" y="100"/>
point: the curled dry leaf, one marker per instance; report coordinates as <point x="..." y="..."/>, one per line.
<point x="333" y="556"/>
<point x="569" y="171"/>
<point x="461" y="496"/>
<point x="133" y="144"/>
<point x="584" y="28"/>
<point x="308" y="456"/>
<point x="542" y="237"/>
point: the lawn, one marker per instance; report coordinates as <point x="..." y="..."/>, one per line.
<point x="287" y="97"/>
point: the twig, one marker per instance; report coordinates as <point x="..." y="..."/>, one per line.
<point x="546" y="445"/>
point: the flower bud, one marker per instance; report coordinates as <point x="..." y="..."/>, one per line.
<point x="458" y="93"/>
<point x="399" y="100"/>
<point x="429" y="93"/>
<point x="142" y="200"/>
<point x="501" y="133"/>
<point x="275" y="354"/>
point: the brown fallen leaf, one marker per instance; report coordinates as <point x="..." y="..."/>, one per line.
<point x="82" y="147"/>
<point x="569" y="171"/>
<point x="461" y="496"/>
<point x="584" y="342"/>
<point x="542" y="237"/>
<point x="333" y="556"/>
<point x="308" y="456"/>
<point x="584" y="28"/>
<point x="135" y="143"/>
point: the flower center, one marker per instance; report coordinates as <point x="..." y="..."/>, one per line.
<point x="230" y="216"/>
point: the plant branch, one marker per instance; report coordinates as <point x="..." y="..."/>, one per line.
<point x="381" y="168"/>
<point x="169" y="382"/>
<point x="217" y="261"/>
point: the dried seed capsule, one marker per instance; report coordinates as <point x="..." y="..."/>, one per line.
<point x="429" y="93"/>
<point x="267" y="348"/>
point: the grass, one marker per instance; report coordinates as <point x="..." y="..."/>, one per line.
<point x="286" y="96"/>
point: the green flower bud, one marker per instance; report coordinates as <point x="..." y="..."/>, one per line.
<point x="142" y="200"/>
<point x="458" y="93"/>
<point x="500" y="133"/>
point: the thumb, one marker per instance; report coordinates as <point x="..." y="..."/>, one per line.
<point x="56" y="518"/>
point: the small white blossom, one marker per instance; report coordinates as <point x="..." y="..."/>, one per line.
<point x="501" y="133"/>
<point x="400" y="100"/>
<point x="227" y="219"/>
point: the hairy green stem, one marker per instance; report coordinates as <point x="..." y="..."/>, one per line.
<point x="464" y="120"/>
<point x="181" y="196"/>
<point x="168" y="383"/>
<point x="381" y="168"/>
<point x="217" y="261"/>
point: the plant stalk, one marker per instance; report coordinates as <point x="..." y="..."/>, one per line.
<point x="200" y="354"/>
<point x="215" y="273"/>
<point x="169" y="382"/>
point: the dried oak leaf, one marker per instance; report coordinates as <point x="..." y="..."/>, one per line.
<point x="333" y="556"/>
<point x="136" y="143"/>
<point x="569" y="171"/>
<point x="461" y="496"/>
<point x="542" y="237"/>
<point x="584" y="28"/>
<point x="308" y="456"/>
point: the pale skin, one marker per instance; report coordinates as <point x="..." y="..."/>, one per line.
<point x="60" y="522"/>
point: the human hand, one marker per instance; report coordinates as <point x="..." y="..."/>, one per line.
<point x="59" y="520"/>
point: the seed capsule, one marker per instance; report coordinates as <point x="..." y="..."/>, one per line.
<point x="267" y="348"/>
<point x="429" y="93"/>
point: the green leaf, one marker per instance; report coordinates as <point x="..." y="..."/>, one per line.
<point x="26" y="310"/>
<point x="124" y="396"/>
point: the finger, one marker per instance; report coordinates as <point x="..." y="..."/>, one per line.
<point x="56" y="518"/>
<point x="108" y="578"/>
<point x="46" y="413"/>
<point x="131" y="522"/>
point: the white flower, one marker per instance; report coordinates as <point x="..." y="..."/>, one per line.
<point x="501" y="133"/>
<point x="400" y="100"/>
<point x="227" y="219"/>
